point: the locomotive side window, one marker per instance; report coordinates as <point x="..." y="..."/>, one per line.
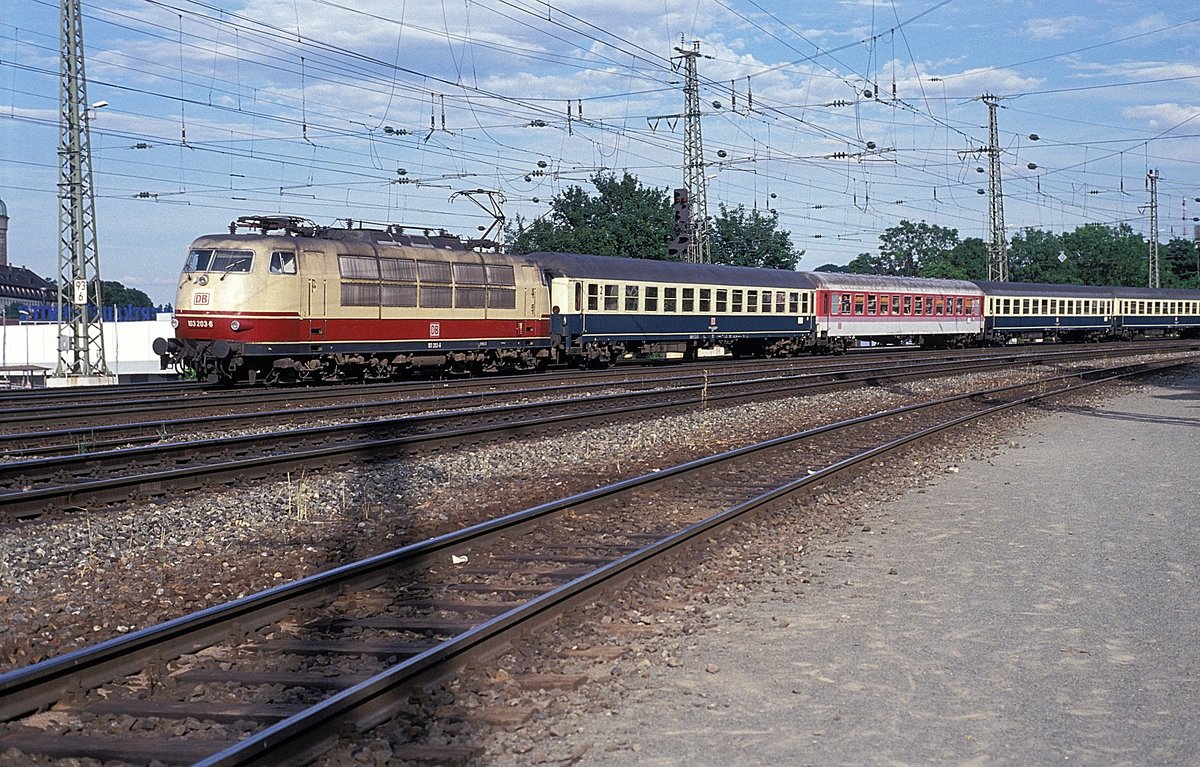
<point x="469" y="274"/>
<point x="722" y="301"/>
<point x="360" y="294"/>
<point x="631" y="298"/>
<point x="670" y="299"/>
<point x="283" y="262"/>
<point x="398" y="269"/>
<point x="651" y="298"/>
<point x="501" y="298"/>
<point x="434" y="271"/>
<point x="398" y="295"/>
<point x="470" y="297"/>
<point x="689" y="300"/>
<point x="358" y="267"/>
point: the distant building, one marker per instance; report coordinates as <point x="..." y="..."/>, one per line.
<point x="18" y="285"/>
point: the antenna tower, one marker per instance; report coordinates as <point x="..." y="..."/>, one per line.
<point x="699" y="249"/>
<point x="1152" y="187"/>
<point x="80" y="329"/>
<point x="997" y="248"/>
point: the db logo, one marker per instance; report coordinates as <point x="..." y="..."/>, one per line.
<point x="435" y="329"/>
<point x="200" y="299"/>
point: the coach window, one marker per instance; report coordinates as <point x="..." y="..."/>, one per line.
<point x="908" y="305"/>
<point x="872" y="303"/>
<point x="751" y="301"/>
<point x="722" y="301"/>
<point x="705" y="300"/>
<point x="766" y="302"/>
<point x="631" y="298"/>
<point x="689" y="300"/>
<point x="804" y="303"/>
<point x="780" y="302"/>
<point x="939" y="305"/>
<point x="918" y="305"/>
<point x="593" y="293"/>
<point x="670" y="299"/>
<point x="895" y="304"/>
<point x="612" y="298"/>
<point x="737" y="301"/>
<point x="793" y="303"/>
<point x="958" y="305"/>
<point x="651" y="298"/>
<point x="283" y="262"/>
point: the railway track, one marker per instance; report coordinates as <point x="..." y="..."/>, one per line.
<point x="31" y="488"/>
<point x="41" y="423"/>
<point x="278" y="676"/>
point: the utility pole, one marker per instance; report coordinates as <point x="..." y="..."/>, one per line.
<point x="997" y="247"/>
<point x="80" y="302"/>
<point x="698" y="249"/>
<point x="1152" y="187"/>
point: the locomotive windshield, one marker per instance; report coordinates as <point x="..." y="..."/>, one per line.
<point x="218" y="260"/>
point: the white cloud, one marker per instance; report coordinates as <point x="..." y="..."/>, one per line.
<point x="1053" y="29"/>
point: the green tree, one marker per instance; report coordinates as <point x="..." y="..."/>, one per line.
<point x="739" y="238"/>
<point x="836" y="268"/>
<point x="906" y="248"/>
<point x="1107" y="255"/>
<point x="623" y="219"/>
<point x="967" y="260"/>
<point x="867" y="263"/>
<point x="1036" y="255"/>
<point x="116" y="294"/>
<point x="1179" y="263"/>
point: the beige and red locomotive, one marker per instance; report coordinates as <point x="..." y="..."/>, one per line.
<point x="291" y="300"/>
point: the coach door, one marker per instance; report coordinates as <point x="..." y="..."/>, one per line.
<point x="316" y="309"/>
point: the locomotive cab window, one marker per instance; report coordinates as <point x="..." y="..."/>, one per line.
<point x="219" y="260"/>
<point x="283" y="262"/>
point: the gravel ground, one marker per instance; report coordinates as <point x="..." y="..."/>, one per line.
<point x="76" y="582"/>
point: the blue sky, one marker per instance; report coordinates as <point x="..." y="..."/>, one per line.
<point x="844" y="117"/>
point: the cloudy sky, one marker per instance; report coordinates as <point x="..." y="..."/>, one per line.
<point x="844" y="116"/>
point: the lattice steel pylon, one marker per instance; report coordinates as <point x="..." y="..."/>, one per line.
<point x="80" y="328"/>
<point x="699" y="249"/>
<point x="997" y="248"/>
<point x="1152" y="187"/>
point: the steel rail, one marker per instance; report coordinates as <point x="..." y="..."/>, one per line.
<point x="294" y="448"/>
<point x="39" y="685"/>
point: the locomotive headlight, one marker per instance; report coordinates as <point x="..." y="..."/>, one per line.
<point x="174" y="322"/>
<point x="202" y="279"/>
<point x="235" y="326"/>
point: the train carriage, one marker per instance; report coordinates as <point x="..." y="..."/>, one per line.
<point x="895" y="310"/>
<point x="604" y="308"/>
<point x="1146" y="312"/>
<point x="1026" y="312"/>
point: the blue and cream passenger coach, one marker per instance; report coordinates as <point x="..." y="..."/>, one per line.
<point x="604" y="307"/>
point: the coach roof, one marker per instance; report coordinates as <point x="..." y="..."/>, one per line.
<point x="886" y="284"/>
<point x="615" y="269"/>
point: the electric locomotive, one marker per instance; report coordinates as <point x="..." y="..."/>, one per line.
<point x="294" y="301"/>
